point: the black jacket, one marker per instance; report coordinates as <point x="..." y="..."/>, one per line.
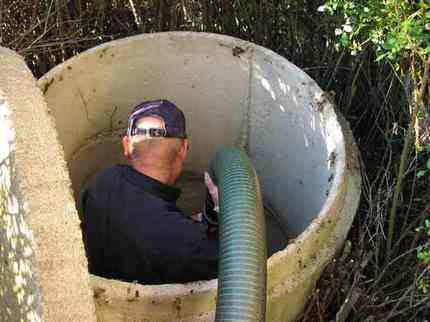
<point x="133" y="231"/>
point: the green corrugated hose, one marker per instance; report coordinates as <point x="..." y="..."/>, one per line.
<point x="242" y="238"/>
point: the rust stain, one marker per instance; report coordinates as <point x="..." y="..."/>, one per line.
<point x="177" y="304"/>
<point x="47" y="85"/>
<point x="104" y="50"/>
<point x="98" y="291"/>
<point x="237" y="51"/>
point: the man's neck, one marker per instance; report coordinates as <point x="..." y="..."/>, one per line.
<point x="163" y="175"/>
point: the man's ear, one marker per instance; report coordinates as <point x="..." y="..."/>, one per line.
<point x="126" y="147"/>
<point x="184" y="149"/>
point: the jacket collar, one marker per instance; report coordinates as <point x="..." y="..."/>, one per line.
<point x="151" y="185"/>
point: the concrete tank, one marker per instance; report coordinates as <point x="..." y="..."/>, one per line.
<point x="232" y="92"/>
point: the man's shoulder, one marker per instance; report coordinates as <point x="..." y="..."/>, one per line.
<point x="105" y="177"/>
<point x="110" y="172"/>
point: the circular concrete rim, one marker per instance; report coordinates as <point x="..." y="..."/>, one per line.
<point x="341" y="180"/>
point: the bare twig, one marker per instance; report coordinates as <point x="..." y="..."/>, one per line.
<point x="417" y="104"/>
<point x="59" y="7"/>
<point x="352" y="297"/>
<point x="1" y="20"/>
<point x="137" y="18"/>
<point x="35" y="8"/>
<point x="399" y="301"/>
<point x="425" y="81"/>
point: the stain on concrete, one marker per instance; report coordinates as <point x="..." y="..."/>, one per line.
<point x="47" y="85"/>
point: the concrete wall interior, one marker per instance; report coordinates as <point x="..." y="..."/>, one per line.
<point x="270" y="95"/>
<point x="286" y="124"/>
<point x="43" y="272"/>
<point x="232" y="92"/>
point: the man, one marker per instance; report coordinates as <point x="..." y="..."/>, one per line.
<point x="133" y="230"/>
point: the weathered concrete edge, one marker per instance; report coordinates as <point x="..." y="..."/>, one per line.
<point x="44" y="186"/>
<point x="20" y="297"/>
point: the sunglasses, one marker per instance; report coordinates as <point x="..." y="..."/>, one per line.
<point x="151" y="132"/>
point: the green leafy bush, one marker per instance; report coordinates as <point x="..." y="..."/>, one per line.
<point x="426" y="169"/>
<point x="399" y="33"/>
<point x="423" y="255"/>
<point x="397" y="29"/>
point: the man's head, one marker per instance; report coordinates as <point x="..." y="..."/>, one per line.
<point x="156" y="141"/>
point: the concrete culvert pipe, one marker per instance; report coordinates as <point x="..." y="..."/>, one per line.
<point x="233" y="93"/>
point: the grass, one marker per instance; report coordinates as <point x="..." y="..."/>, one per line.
<point x="361" y="285"/>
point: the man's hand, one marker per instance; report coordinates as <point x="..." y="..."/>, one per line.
<point x="213" y="190"/>
<point x="211" y="209"/>
<point x="197" y="217"/>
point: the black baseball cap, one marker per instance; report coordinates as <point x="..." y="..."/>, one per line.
<point x="173" y="119"/>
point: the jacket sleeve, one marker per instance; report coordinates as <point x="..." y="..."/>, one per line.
<point x="94" y="233"/>
<point x="193" y="252"/>
<point x="201" y="259"/>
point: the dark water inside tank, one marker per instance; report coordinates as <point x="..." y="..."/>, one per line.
<point x="192" y="200"/>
